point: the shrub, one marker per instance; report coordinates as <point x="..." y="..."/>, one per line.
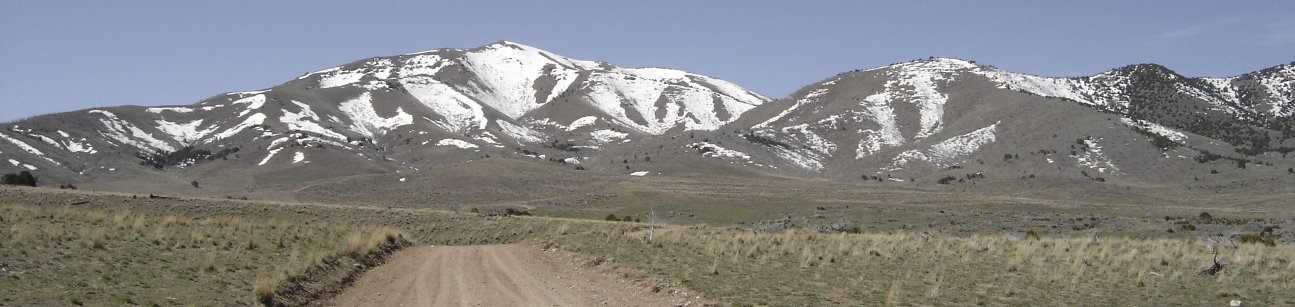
<point x="947" y="180"/>
<point x="1259" y="238"/>
<point x="511" y="211"/>
<point x="764" y="140"/>
<point x="263" y="290"/>
<point x="21" y="178"/>
<point x="183" y="157"/>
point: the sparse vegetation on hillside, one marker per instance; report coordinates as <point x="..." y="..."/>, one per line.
<point x="184" y="157"/>
<point x="764" y="140"/>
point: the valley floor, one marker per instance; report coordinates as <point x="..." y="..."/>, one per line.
<point x="98" y="248"/>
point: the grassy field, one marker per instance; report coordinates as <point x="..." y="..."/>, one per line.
<point x="88" y="248"/>
<point x="117" y="257"/>
<point x="94" y="248"/>
<point x="802" y="269"/>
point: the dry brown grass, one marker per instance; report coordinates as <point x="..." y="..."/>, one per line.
<point x="790" y="268"/>
<point x="63" y="253"/>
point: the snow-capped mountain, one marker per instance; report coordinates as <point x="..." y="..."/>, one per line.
<point x="394" y="109"/>
<point x="926" y="117"/>
<point x="915" y="121"/>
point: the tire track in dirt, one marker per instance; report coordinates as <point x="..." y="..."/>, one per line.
<point x="497" y="275"/>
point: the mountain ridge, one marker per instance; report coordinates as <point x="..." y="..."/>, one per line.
<point x="919" y="120"/>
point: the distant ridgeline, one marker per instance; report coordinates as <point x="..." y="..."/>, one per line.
<point x="934" y="120"/>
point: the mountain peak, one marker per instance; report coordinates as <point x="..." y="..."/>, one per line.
<point x="935" y="64"/>
<point x="1146" y="69"/>
<point x="509" y="44"/>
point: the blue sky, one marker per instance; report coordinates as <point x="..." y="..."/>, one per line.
<point x="60" y="56"/>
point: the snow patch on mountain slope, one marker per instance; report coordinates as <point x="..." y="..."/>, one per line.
<point x="606" y="136"/>
<point x="519" y="133"/>
<point x="1094" y="159"/>
<point x="950" y="151"/>
<point x="251" y="92"/>
<point x="582" y="122"/>
<point x="456" y="143"/>
<point x="159" y="110"/>
<point x="269" y="156"/>
<point x="381" y="68"/>
<point x="250" y="121"/>
<point x="803" y="159"/>
<point x="365" y="120"/>
<point x="17" y="163"/>
<point x="488" y="138"/>
<point x="339" y="77"/>
<point x="129" y="134"/>
<point x="29" y="149"/>
<point x="917" y="83"/>
<point x="1282" y="90"/>
<point x="1224" y="97"/>
<point x="278" y="143"/>
<point x="504" y="76"/>
<point x="811" y="97"/>
<point x="22" y="145"/>
<point x="1171" y="134"/>
<point x="879" y="110"/>
<point x="459" y="113"/>
<point x="620" y="91"/>
<point x="561" y="60"/>
<point x="306" y="120"/>
<point x="506" y="73"/>
<point x="616" y="93"/>
<point x="318" y="72"/>
<point x="253" y="103"/>
<point x="715" y="151"/>
<point x="1107" y="90"/>
<point x="733" y="90"/>
<point x="801" y="134"/>
<point x="184" y="132"/>
<point x="421" y="65"/>
<point x="67" y="143"/>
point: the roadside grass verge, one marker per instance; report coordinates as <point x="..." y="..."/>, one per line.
<point x="791" y="268"/>
<point x="118" y="257"/>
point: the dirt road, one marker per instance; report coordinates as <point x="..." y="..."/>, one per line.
<point x="501" y="275"/>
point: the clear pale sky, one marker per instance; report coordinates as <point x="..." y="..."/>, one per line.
<point x="58" y="56"/>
